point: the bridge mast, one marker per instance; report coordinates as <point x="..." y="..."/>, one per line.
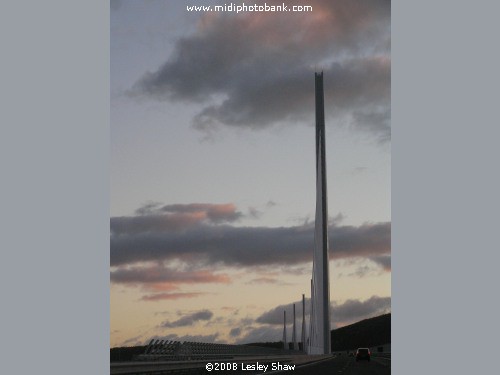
<point x="320" y="319"/>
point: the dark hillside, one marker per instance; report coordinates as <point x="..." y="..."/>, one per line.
<point x="366" y="333"/>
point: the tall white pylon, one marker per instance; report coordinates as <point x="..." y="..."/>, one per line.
<point x="319" y="340"/>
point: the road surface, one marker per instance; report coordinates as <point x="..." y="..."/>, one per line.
<point x="342" y="365"/>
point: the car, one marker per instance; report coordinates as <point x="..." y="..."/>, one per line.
<point x="363" y="353"/>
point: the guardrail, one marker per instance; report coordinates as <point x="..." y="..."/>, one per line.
<point x="192" y="351"/>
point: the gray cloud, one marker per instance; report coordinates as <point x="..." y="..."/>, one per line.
<point x="261" y="334"/>
<point x="383" y="260"/>
<point x="188" y="320"/>
<point x="275" y="315"/>
<point x="235" y="332"/>
<point x="348" y="312"/>
<point x="154" y="217"/>
<point x="355" y="310"/>
<point x="243" y="246"/>
<point x="255" y="70"/>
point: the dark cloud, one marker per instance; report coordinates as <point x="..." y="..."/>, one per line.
<point x="148" y="208"/>
<point x="188" y="320"/>
<point x="255" y="70"/>
<point x="355" y="310"/>
<point x="384" y="261"/>
<point x="235" y="332"/>
<point x="241" y="246"/>
<point x="275" y="316"/>
<point x="349" y="312"/>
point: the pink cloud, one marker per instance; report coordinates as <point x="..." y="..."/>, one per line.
<point x="169" y="296"/>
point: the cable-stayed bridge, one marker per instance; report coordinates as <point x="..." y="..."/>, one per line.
<point x="311" y="356"/>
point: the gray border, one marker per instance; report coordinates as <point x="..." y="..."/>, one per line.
<point x="445" y="185"/>
<point x="54" y="155"/>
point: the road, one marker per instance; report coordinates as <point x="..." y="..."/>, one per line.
<point x="343" y="365"/>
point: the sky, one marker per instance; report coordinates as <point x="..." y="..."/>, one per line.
<point x="213" y="167"/>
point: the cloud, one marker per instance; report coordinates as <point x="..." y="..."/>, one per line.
<point x="160" y="259"/>
<point x="384" y="261"/>
<point x="152" y="217"/>
<point x="254" y="70"/>
<point x="235" y="332"/>
<point x="165" y="281"/>
<point x="169" y="296"/>
<point x="348" y="312"/>
<point x="205" y="243"/>
<point x="188" y="320"/>
<point x="159" y="277"/>
<point x="134" y="341"/>
<point x="354" y="310"/>
<point x="261" y="334"/>
<point x="267" y="280"/>
<point x="215" y="213"/>
<point x="275" y="315"/>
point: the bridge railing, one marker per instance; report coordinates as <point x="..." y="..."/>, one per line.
<point x="164" y="350"/>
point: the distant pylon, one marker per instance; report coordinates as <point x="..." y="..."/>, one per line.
<point x="303" y="336"/>
<point x="311" y="325"/>
<point x="285" y="344"/>
<point x="294" y="335"/>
